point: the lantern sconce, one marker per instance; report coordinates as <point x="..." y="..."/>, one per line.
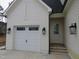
<point x="9" y="30"/>
<point x="44" y="31"/>
<point x="73" y="28"/>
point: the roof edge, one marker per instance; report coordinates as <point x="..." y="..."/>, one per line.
<point x="49" y="9"/>
<point x="9" y="7"/>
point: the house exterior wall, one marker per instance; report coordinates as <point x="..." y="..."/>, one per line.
<point x="72" y="41"/>
<point x="28" y="12"/>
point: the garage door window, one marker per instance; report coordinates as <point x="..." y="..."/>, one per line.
<point x="20" y="28"/>
<point x="33" y="28"/>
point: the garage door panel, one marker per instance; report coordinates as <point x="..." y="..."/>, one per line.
<point x="27" y="38"/>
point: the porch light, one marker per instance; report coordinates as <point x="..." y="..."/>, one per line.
<point x="73" y="28"/>
<point x="44" y="31"/>
<point x="9" y="30"/>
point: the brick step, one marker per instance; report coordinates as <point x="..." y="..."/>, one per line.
<point x="62" y="51"/>
<point x="58" y="48"/>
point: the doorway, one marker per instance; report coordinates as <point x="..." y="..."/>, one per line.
<point x="57" y="38"/>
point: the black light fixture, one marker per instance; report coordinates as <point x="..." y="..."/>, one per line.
<point x="8" y="30"/>
<point x="44" y="31"/>
<point x="73" y="28"/>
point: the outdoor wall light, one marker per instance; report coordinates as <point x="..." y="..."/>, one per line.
<point x="44" y="31"/>
<point x="73" y="28"/>
<point x="9" y="30"/>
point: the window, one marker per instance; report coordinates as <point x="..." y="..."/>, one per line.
<point x="56" y="29"/>
<point x="33" y="28"/>
<point x="20" y="28"/>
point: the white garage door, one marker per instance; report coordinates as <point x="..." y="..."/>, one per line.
<point x="27" y="38"/>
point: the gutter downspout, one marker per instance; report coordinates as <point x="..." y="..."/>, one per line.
<point x="51" y="13"/>
<point x="49" y="29"/>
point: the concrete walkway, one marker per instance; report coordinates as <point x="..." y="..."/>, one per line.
<point x="31" y="55"/>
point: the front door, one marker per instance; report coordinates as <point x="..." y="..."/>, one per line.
<point x="56" y="31"/>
